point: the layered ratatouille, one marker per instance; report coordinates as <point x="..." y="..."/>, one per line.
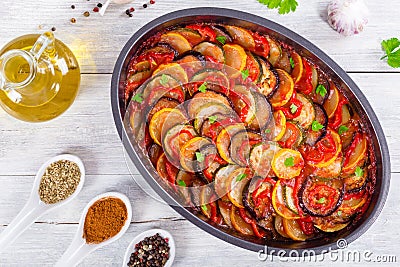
<point x="248" y="133"/>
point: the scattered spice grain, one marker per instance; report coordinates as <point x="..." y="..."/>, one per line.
<point x="53" y="29"/>
<point x="59" y="181"/>
<point x="73" y="6"/>
<point x="86" y="13"/>
<point x="104" y="219"/>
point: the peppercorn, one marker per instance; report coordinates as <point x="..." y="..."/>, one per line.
<point x="73" y="6"/>
<point x="99" y="5"/>
<point x="152" y="2"/>
<point x="144" y="5"/>
<point x="53" y="29"/>
<point x="96" y="9"/>
<point x="131" y="9"/>
<point x="73" y="20"/>
<point x="151" y="251"/>
<point x="86" y="13"/>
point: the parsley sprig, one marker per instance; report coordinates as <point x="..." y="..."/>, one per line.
<point x="392" y="50"/>
<point x="285" y="6"/>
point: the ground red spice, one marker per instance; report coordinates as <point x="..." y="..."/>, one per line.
<point x="104" y="219"/>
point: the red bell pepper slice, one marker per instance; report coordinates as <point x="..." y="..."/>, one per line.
<point x="205" y="31"/>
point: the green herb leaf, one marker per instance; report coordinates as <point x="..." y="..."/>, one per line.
<point x="285" y="6"/>
<point x="268" y="131"/>
<point x="221" y="39"/>
<point x="164" y="80"/>
<point x="321" y="200"/>
<point x="342" y="129"/>
<point x="316" y="126"/>
<point x="245" y="74"/>
<point x="199" y="157"/>
<point x="203" y="87"/>
<point x="359" y="172"/>
<point x="241" y="177"/>
<point x="321" y="90"/>
<point x="293" y="108"/>
<point x="392" y="50"/>
<point x="291" y="62"/>
<point x="182" y="183"/>
<point x="138" y="98"/>
<point x="289" y="162"/>
<point x="212" y="119"/>
<point x="204" y="207"/>
<point x="339" y="213"/>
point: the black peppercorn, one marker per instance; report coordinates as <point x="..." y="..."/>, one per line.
<point x="53" y="29"/>
<point x="99" y="5"/>
<point x="144" y="5"/>
<point x="73" y="6"/>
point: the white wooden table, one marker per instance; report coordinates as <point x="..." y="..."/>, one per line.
<point x="87" y="128"/>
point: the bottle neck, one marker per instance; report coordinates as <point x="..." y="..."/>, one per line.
<point x="17" y="69"/>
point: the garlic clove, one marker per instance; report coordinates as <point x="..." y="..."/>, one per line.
<point x="106" y="4"/>
<point x="348" y="17"/>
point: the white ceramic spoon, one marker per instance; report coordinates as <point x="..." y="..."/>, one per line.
<point x="78" y="248"/>
<point x="106" y="4"/>
<point x="140" y="237"/>
<point x="34" y="208"/>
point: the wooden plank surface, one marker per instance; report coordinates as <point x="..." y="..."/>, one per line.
<point x="87" y="129"/>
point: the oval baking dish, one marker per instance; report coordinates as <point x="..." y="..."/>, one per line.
<point x="304" y="48"/>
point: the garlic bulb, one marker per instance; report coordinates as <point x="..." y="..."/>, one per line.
<point x="347" y="17"/>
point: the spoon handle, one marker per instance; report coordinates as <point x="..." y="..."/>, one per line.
<point x="76" y="252"/>
<point x="24" y="219"/>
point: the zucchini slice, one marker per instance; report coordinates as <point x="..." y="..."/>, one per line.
<point x="332" y="101"/>
<point x="239" y="224"/>
<point x="307" y="114"/>
<point x="278" y="223"/>
<point x="241" y="145"/>
<point x="174" y="139"/>
<point x="285" y="89"/>
<point x="287" y="163"/>
<point x="174" y="70"/>
<point x="211" y="50"/>
<point x="163" y="121"/>
<point x="237" y="181"/>
<point x="263" y="114"/>
<point x="268" y="82"/>
<point x="277" y="127"/>
<point x="235" y="56"/>
<point x="293" y="230"/>
<point x="221" y="180"/>
<point x="164" y="49"/>
<point x="279" y="204"/>
<point x="261" y="157"/>
<point x="192" y="36"/>
<point x="214" y="101"/>
<point x="211" y="129"/>
<point x="290" y="198"/>
<point x="241" y="36"/>
<point x="188" y="152"/>
<point x="224" y="140"/>
<point x="312" y="137"/>
<point x="176" y="41"/>
<point x="331" y="171"/>
<point x="161" y="104"/>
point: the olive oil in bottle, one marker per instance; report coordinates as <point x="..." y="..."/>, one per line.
<point x="39" y="77"/>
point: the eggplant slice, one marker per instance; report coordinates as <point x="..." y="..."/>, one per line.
<point x="307" y="195"/>
<point x="312" y="137"/>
